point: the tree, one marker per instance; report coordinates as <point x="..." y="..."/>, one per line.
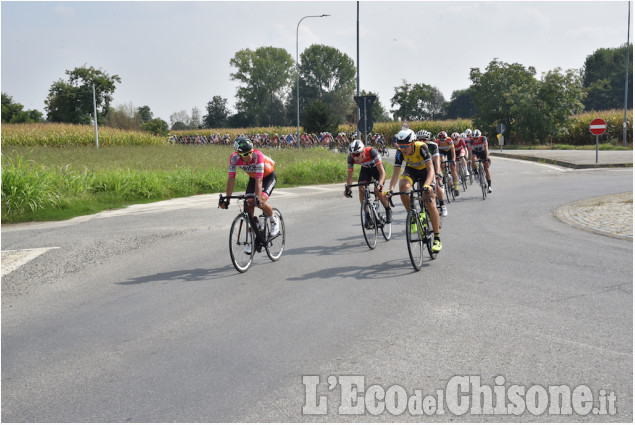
<point x="603" y="79"/>
<point x="461" y="105"/>
<point x="195" y="120"/>
<point x="145" y="114"/>
<point x="265" y="74"/>
<point x="72" y="101"/>
<point x="13" y="113"/>
<point x="328" y="75"/>
<point x="418" y="102"/>
<point x="319" y="117"/>
<point x="217" y="113"/>
<point x="124" y="116"/>
<point x="156" y="126"/>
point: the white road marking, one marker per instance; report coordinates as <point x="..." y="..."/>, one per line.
<point x="14" y="258"/>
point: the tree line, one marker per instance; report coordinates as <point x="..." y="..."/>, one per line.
<point x="531" y="107"/>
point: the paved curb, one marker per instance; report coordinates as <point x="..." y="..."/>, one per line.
<point x="561" y="163"/>
<point x="610" y="215"/>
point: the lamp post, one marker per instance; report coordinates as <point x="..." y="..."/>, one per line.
<point x="297" y="71"/>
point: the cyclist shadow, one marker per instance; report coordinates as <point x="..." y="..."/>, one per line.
<point x="380" y="271"/>
<point x="194" y="275"/>
<point x="350" y="245"/>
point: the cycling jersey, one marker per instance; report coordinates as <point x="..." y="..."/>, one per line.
<point x="459" y="144"/>
<point x="260" y="165"/>
<point x="479" y="144"/>
<point x="433" y="148"/>
<point x="445" y="145"/>
<point x="417" y="160"/>
<point x="368" y="159"/>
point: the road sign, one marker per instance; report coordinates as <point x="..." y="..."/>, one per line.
<point x="364" y="101"/>
<point x="500" y="128"/>
<point x="597" y="126"/>
<point x="365" y="125"/>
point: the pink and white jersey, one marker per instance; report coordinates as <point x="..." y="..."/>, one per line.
<point x="369" y="158"/>
<point x="260" y="165"/>
<point x="479" y="143"/>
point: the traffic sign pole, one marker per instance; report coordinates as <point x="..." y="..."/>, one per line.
<point x="597" y="127"/>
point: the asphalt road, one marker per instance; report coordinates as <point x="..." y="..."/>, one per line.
<point x="138" y="315"/>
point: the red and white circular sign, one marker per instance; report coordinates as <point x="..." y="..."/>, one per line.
<point x="597" y="126"/>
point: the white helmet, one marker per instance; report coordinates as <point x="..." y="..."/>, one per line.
<point x="356" y="146"/>
<point x="468" y="132"/>
<point x="477" y="133"/>
<point x="406" y="136"/>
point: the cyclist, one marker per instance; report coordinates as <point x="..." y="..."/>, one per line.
<point x="371" y="169"/>
<point x="433" y="148"/>
<point x="460" y="149"/>
<point x="418" y="167"/>
<point x="446" y="149"/>
<point x="262" y="179"/>
<point x="479" y="150"/>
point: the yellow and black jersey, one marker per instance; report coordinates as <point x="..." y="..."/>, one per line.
<point x="417" y="160"/>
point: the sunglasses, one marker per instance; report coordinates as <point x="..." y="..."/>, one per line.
<point x="404" y="146"/>
<point x="357" y="154"/>
<point x="246" y="153"/>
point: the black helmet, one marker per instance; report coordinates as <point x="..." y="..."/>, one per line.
<point x="243" y="145"/>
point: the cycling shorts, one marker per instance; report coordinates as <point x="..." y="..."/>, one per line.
<point x="412" y="175"/>
<point x="268" y="183"/>
<point x="460" y="152"/>
<point x="368" y="174"/>
<point x="479" y="155"/>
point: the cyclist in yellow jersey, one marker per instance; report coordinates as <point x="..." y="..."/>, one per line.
<point x="418" y="167"/>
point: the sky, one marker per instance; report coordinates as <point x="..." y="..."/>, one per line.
<point x="174" y="56"/>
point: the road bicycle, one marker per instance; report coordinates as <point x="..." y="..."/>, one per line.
<point x="418" y="218"/>
<point x="463" y="173"/>
<point x="249" y="234"/>
<point x="482" y="179"/>
<point x="376" y="221"/>
<point x="448" y="182"/>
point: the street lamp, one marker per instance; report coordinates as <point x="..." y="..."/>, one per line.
<point x="297" y="71"/>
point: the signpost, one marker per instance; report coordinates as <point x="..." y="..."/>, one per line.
<point x="365" y="124"/>
<point x="500" y="129"/>
<point x="597" y="127"/>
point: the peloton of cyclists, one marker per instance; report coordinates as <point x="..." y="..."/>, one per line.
<point x="418" y="167"/>
<point x="479" y="150"/>
<point x="262" y="180"/>
<point x="446" y="150"/>
<point x="433" y="148"/>
<point x="371" y="169"/>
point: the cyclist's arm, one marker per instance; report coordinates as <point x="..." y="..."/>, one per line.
<point x="382" y="173"/>
<point x="395" y="176"/>
<point x="430" y="175"/>
<point x="258" y="190"/>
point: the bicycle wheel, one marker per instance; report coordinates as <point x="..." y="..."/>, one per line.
<point x="370" y="230"/>
<point x="483" y="181"/>
<point x="449" y="187"/>
<point x="386" y="228"/>
<point x="240" y="238"/>
<point x="275" y="245"/>
<point x="414" y="239"/>
<point x="463" y="177"/>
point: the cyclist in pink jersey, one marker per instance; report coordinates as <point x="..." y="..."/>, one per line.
<point x="372" y="169"/>
<point x="262" y="178"/>
<point x="460" y="150"/>
<point x="479" y="150"/>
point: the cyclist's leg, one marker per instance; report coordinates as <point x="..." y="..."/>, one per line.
<point x="405" y="184"/>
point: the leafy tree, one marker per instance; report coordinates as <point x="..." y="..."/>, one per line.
<point x="13" y="113"/>
<point x="328" y="75"/>
<point x="239" y="120"/>
<point x="217" y="113"/>
<point x="72" y="101"/>
<point x="603" y="79"/>
<point x="195" y="120"/>
<point x="319" y="117"/>
<point x="156" y="126"/>
<point x="265" y="74"/>
<point x="124" y="116"/>
<point x="497" y="90"/>
<point x="461" y="105"/>
<point x="418" y="102"/>
<point x="145" y="114"/>
<point x="183" y="121"/>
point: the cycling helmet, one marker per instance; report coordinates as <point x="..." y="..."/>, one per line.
<point x="462" y="136"/>
<point x="356" y="146"/>
<point x="422" y="135"/>
<point x="243" y="145"/>
<point x="455" y="135"/>
<point x="468" y="132"/>
<point x="442" y="135"/>
<point x="477" y="133"/>
<point x="405" y="136"/>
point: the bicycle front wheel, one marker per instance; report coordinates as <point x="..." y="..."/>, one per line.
<point x="428" y="235"/>
<point x="481" y="173"/>
<point x="369" y="228"/>
<point x="463" y="178"/>
<point x="275" y="244"/>
<point x="241" y="244"/>
<point x="414" y="239"/>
